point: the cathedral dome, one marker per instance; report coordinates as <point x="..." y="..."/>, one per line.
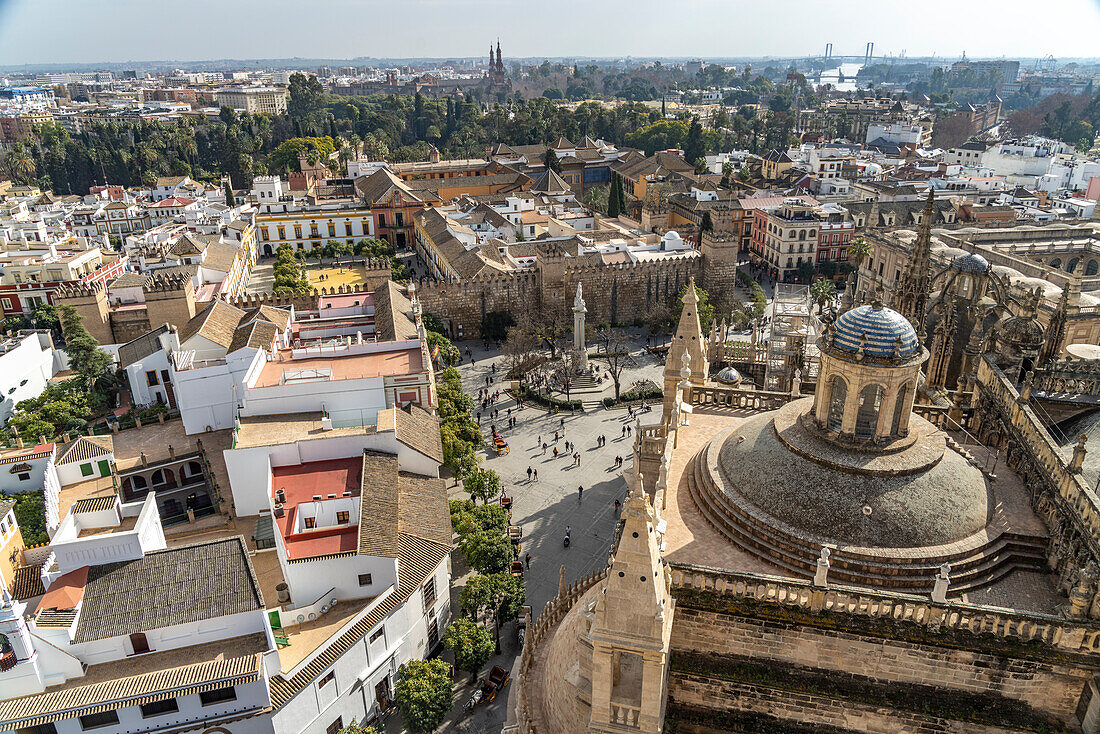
<point x="729" y="376"/>
<point x="971" y="263"/>
<point x="880" y="332"/>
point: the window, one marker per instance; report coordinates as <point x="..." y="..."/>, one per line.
<point x="86" y="470"/>
<point x="218" y="695"/>
<point x="47" y="728"/>
<point x="139" y="642"/>
<point x="429" y="593"/>
<point x="331" y="229"/>
<point x="98" y="721"/>
<point x="381" y="220"/>
<point x="342" y="516"/>
<point x="365" y="579"/>
<point x="377" y="635"/>
<point x="311" y="522"/>
<point x="282" y="232"/>
<point x="313" y="232"/>
<point x="24" y="476"/>
<point x="335" y="726"/>
<point x="158" y="708"/>
<point x="297" y="231"/>
<point x="264" y="235"/>
<point x="329" y="677"/>
<point x="151" y="378"/>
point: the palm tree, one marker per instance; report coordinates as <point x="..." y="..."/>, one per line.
<point x="859" y="250"/>
<point x="822" y="291"/>
<point x="19" y="162"/>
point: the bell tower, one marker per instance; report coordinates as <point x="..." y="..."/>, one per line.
<point x="632" y="629"/>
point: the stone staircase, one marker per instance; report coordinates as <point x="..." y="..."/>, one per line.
<point x="585" y="389"/>
<point x="975" y="562"/>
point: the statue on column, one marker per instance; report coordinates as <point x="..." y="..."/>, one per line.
<point x="579" y="350"/>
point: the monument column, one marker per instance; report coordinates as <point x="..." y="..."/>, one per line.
<point x="578" y="331"/>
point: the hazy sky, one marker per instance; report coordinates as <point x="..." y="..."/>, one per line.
<point x="84" y="31"/>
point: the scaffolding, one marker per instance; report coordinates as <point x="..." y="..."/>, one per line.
<point x="792" y="338"/>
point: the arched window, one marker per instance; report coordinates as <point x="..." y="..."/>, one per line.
<point x="1092" y="267"/>
<point x="192" y="470"/>
<point x="801" y="234"/>
<point x="1056" y="262"/>
<point x="139" y="482"/>
<point x="837" y="397"/>
<point x="899" y="409"/>
<point x="1072" y="264"/>
<point x="870" y="400"/>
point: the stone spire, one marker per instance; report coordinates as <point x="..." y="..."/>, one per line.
<point x="632" y="628"/>
<point x="1056" y="330"/>
<point x="911" y="296"/>
<point x="689" y="340"/>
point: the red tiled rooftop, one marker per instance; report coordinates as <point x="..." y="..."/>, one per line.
<point x="302" y="483"/>
<point x="66" y="592"/>
<point x="43" y="448"/>
<point x="346" y="366"/>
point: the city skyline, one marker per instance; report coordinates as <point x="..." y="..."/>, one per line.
<point x="80" y="32"/>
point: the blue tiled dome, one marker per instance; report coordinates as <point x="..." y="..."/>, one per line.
<point x="729" y="376"/>
<point x="883" y="327"/>
<point x="971" y="263"/>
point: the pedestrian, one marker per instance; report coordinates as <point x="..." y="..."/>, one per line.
<point x="536" y="475"/>
<point x="528" y="473"/>
<point x="562" y="423"/>
<point x="555" y="436"/>
<point x="543" y="452"/>
<point x="555" y="452"/>
<point x="629" y="430"/>
<point x="623" y="433"/>
<point x="578" y="458"/>
<point x="580" y="493"/>
<point x="617" y="506"/>
<point x="527" y="561"/>
<point x="478" y="417"/>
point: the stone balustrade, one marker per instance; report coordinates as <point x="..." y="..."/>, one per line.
<point x="1073" y="376"/>
<point x="1034" y="438"/>
<point x="625" y="714"/>
<point x="860" y="602"/>
<point x="738" y="397"/>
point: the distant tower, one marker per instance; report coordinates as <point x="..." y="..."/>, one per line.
<point x="500" y="59"/>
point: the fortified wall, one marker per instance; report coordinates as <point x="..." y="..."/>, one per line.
<point x="617" y="294"/>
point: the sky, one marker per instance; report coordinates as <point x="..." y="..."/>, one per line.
<point x="89" y="31"/>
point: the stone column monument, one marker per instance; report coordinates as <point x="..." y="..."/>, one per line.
<point x="581" y="362"/>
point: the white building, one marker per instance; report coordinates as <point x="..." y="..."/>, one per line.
<point x="27" y="362"/>
<point x="895" y="134"/>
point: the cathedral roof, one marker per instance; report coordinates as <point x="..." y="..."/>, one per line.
<point x="881" y="332"/>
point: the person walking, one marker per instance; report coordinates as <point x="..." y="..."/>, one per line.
<point x="617" y="506"/>
<point x="580" y="493"/>
<point x="536" y="475"/>
<point x="529" y="473"/>
<point x="527" y="561"/>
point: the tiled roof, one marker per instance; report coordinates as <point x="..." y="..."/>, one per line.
<point x="378" y="502"/>
<point x="256" y="335"/>
<point x="278" y="316"/>
<point x="140" y="348"/>
<point x="382" y="186"/>
<point x="422" y="509"/>
<point x="220" y="256"/>
<point x="27" y="582"/>
<point x="418" y="429"/>
<point x="130" y="280"/>
<point x="392" y="314"/>
<point x="6" y="505"/>
<point x="217" y="322"/>
<point x="86" y="448"/>
<point x="168" y="587"/>
<point x="118" y="684"/>
<point x="94" y="504"/>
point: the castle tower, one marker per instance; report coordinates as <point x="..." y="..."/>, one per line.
<point x="911" y="297"/>
<point x="688" y="340"/>
<point x="90" y="301"/>
<point x="631" y="631"/>
<point x="720" y="255"/>
<point x="170" y="300"/>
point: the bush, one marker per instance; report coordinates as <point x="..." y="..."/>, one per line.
<point x="547" y="402"/>
<point x="424" y="694"/>
<point x="30" y="513"/>
<point x="471" y="643"/>
<point x="487" y="552"/>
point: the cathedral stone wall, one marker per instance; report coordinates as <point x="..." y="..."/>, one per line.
<point x="1050" y="682"/>
<point x="693" y="699"/>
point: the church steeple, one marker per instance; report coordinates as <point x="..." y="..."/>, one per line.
<point x="500" y="59"/>
<point x="911" y="297"/>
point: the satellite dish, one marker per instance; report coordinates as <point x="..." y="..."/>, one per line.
<point x="301" y="618"/>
